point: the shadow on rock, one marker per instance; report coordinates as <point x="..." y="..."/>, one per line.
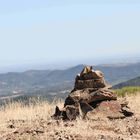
<point x="92" y="97"/>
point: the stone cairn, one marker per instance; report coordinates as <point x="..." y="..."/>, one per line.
<point x="92" y="97"/>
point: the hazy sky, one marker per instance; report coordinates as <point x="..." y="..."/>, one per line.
<point x="49" y="31"/>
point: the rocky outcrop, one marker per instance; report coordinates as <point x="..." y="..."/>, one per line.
<point x="90" y="97"/>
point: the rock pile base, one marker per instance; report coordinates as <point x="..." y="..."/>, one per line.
<point x="92" y="97"/>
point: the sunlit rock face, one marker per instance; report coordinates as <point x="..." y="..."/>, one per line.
<point x="91" y="96"/>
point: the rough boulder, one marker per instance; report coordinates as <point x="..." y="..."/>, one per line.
<point x="92" y="97"/>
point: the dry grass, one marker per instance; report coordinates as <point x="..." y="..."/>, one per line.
<point x="18" y="110"/>
<point x="33" y="122"/>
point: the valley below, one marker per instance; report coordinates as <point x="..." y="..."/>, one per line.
<point x="52" y="84"/>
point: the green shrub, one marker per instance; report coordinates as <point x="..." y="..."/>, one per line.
<point x="127" y="91"/>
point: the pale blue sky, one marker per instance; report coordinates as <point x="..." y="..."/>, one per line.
<point x="58" y="31"/>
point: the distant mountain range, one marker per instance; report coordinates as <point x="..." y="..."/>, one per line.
<point x="132" y="82"/>
<point x="57" y="81"/>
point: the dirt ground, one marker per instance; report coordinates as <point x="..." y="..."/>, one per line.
<point x="19" y="122"/>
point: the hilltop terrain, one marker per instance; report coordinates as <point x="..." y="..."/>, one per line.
<point x="90" y="111"/>
<point x="34" y="122"/>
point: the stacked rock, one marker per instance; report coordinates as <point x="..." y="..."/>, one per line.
<point x="91" y="95"/>
<point x="89" y="78"/>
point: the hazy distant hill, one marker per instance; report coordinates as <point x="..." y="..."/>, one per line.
<point x="120" y="73"/>
<point x="52" y="81"/>
<point x="132" y="82"/>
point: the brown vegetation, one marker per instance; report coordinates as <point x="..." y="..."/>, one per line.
<point x="33" y="122"/>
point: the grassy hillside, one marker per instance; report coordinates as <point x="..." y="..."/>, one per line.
<point x="127" y="91"/>
<point x="34" y="122"/>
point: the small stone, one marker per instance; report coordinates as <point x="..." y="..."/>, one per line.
<point x="56" y="133"/>
<point x="11" y="126"/>
<point x="16" y="132"/>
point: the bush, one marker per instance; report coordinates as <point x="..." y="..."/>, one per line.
<point x="127" y="91"/>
